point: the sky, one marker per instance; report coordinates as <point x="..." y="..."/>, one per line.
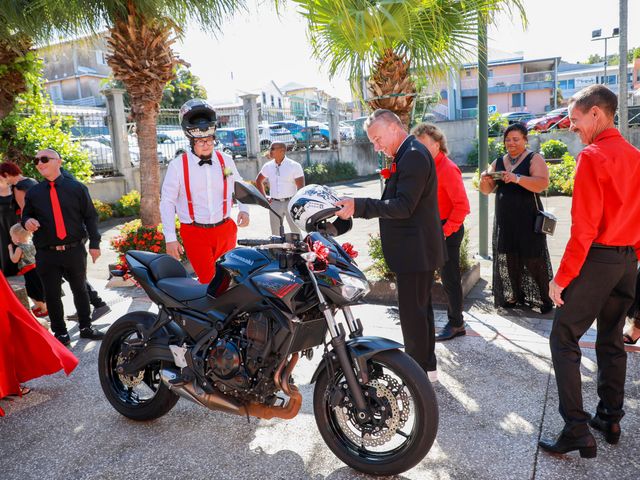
<point x="258" y="46"/>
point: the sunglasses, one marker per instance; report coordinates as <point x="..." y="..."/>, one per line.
<point x="43" y="159"/>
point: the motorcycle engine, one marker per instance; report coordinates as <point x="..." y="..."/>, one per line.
<point x="238" y="361"/>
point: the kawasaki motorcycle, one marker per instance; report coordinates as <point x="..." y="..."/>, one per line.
<point x="233" y="345"/>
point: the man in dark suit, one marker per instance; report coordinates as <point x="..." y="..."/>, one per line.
<point x="410" y="229"/>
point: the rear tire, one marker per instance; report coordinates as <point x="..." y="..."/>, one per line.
<point x="410" y="378"/>
<point x="125" y="393"/>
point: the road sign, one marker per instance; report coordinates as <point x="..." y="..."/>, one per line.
<point x="492" y="109"/>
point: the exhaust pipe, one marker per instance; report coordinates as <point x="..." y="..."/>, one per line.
<point x="221" y="402"/>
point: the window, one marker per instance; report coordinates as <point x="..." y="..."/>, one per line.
<point x="567" y="84"/>
<point x="100" y="58"/>
<point x="469" y="102"/>
<point x="609" y="79"/>
<point x="490" y="73"/>
<point x="467" y="73"/>
<point x="264" y="98"/>
<point x="518" y="99"/>
<point x="279" y="102"/>
<point x="273" y="101"/>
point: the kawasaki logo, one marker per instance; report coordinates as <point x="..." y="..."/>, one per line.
<point x="246" y="261"/>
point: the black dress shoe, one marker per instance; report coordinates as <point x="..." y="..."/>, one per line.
<point x="91" y="333"/>
<point x="546" y="308"/>
<point x="611" y="430"/>
<point x="63" y="338"/>
<point x="449" y="332"/>
<point x="100" y="311"/>
<point x="564" y="444"/>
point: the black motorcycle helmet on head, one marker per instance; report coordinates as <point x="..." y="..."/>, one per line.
<point x="197" y="119"/>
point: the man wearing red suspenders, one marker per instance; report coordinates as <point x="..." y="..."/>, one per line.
<point x="198" y="187"/>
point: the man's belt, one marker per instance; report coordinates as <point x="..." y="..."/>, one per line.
<point x="62" y="248"/>
<point x="281" y="199"/>
<point x="208" y="225"/>
<point x="621" y="248"/>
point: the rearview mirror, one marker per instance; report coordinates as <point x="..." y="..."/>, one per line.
<point x="248" y="194"/>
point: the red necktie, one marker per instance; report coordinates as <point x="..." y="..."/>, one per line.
<point x="61" y="231"/>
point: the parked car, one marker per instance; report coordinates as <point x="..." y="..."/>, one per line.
<point x="347" y="132"/>
<point x="316" y="133"/>
<point x="558" y="118"/>
<point x="100" y="155"/>
<point x="232" y="141"/>
<point x="518" y="117"/>
<point x="275" y="132"/>
<point x="172" y="145"/>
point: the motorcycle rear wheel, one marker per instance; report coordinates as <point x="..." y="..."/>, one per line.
<point x="399" y="393"/>
<point x="142" y="396"/>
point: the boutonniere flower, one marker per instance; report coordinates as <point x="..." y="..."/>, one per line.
<point x="227" y="172"/>
<point x="387" y="172"/>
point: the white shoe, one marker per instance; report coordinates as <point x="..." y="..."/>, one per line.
<point x="433" y="376"/>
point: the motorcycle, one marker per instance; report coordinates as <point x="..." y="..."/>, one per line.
<point x="232" y="346"/>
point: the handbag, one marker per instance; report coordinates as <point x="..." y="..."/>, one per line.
<point x="545" y="222"/>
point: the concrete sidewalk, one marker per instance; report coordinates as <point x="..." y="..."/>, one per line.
<point x="497" y="397"/>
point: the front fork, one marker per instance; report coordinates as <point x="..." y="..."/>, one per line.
<point x="340" y="350"/>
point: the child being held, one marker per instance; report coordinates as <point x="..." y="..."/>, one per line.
<point x="24" y="254"/>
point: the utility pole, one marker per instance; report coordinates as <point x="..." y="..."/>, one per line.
<point x="483" y="131"/>
<point x="623" y="93"/>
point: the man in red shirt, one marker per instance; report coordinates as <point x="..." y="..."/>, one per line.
<point x="453" y="205"/>
<point x="597" y="274"/>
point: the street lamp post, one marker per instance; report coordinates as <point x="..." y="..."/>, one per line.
<point x="597" y="35"/>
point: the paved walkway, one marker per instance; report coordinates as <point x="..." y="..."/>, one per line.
<point x="497" y="397"/>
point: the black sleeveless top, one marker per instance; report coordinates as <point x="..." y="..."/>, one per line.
<point x="515" y="213"/>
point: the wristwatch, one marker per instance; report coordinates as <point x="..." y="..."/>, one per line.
<point x="518" y="178"/>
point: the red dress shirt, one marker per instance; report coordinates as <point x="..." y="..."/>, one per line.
<point x="606" y="201"/>
<point x="452" y="197"/>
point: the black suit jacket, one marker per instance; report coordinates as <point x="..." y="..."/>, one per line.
<point x="410" y="227"/>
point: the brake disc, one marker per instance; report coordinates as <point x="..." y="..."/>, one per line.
<point x="129" y="380"/>
<point x="387" y="388"/>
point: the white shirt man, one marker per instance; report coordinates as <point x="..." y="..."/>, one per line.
<point x="207" y="230"/>
<point x="285" y="177"/>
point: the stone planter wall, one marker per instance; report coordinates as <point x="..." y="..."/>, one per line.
<point x="384" y="292"/>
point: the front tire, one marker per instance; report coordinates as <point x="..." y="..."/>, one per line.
<point x="141" y="396"/>
<point x="400" y="397"/>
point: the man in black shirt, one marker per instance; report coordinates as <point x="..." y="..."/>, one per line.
<point x="60" y="212"/>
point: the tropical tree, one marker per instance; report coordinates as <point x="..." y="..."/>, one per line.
<point x="140" y="35"/>
<point x="391" y="41"/>
<point x="183" y="87"/>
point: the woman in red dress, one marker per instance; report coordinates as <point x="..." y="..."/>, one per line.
<point x="27" y="350"/>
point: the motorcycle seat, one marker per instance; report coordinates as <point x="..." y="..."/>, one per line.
<point x="160" y="265"/>
<point x="182" y="288"/>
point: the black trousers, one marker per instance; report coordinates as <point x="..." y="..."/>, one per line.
<point x="33" y="284"/>
<point x="94" y="298"/>
<point x="451" y="279"/>
<point x="603" y="290"/>
<point x="53" y="266"/>
<point x="416" y="317"/>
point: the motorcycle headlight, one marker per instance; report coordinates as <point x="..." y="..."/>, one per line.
<point x="353" y="287"/>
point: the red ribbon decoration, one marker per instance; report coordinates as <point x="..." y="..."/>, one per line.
<point x="348" y="248"/>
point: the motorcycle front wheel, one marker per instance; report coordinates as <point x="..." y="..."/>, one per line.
<point x="404" y="419"/>
<point x="142" y="395"/>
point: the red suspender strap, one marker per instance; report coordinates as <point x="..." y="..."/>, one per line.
<point x="224" y="185"/>
<point x="185" y="170"/>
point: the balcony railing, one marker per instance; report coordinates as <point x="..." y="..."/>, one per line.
<point x="506" y="80"/>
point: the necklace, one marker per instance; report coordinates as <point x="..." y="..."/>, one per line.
<point x="515" y="160"/>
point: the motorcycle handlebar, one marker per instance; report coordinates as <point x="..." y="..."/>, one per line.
<point x="254" y="242"/>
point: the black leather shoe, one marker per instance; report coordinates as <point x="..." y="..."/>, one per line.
<point x="546" y="308"/>
<point x="611" y="430"/>
<point x="586" y="444"/>
<point x="100" y="311"/>
<point x="449" y="332"/>
<point x="63" y="338"/>
<point x="91" y="333"/>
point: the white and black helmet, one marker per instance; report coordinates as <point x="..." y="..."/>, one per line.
<point x="314" y="204"/>
<point x="198" y="119"/>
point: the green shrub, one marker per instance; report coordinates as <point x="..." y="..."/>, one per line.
<point x="497" y="125"/>
<point x="496" y="149"/>
<point x="128" y="205"/>
<point x="104" y="210"/>
<point x="561" y="176"/>
<point x="379" y="266"/>
<point x="322" y="173"/>
<point x="553" y="149"/>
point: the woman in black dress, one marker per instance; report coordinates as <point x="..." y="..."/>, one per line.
<point x="521" y="264"/>
<point x="8" y="218"/>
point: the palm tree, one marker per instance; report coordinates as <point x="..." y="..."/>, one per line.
<point x="140" y="34"/>
<point x="394" y="39"/>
